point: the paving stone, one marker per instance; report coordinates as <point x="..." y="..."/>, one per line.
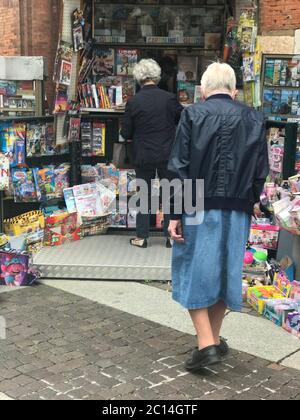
<point x="63" y="347"/>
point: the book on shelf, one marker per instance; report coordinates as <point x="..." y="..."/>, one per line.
<point x="105" y="95"/>
<point x="126" y="61"/>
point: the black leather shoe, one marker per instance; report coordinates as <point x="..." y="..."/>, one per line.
<point x="203" y="358"/>
<point x="223" y="348"/>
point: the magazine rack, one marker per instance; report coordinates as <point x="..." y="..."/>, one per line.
<point x="281" y="86"/>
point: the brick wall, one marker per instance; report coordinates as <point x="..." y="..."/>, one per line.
<point x="10" y="43"/>
<point x="30" y="27"/>
<point x="279" y="15"/>
<point x="44" y="32"/>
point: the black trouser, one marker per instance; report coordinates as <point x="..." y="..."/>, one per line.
<point x="143" y="220"/>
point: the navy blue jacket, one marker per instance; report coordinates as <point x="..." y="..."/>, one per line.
<point x="224" y="143"/>
<point x="150" y="121"/>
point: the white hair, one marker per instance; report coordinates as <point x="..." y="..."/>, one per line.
<point x="146" y="71"/>
<point x="218" y="77"/>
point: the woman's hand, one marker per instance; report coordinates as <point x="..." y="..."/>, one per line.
<point x="176" y="232"/>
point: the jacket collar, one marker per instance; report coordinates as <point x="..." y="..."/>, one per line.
<point x="149" y="87"/>
<point x="220" y="96"/>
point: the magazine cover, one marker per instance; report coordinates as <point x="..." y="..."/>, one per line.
<point x="104" y="63"/>
<point x="268" y="99"/>
<point x="126" y="61"/>
<point x="286" y="102"/>
<point x="295" y="103"/>
<point x="276" y="101"/>
<point x="187" y="68"/>
<point x="269" y="72"/>
<point x="88" y="200"/>
<point x="293" y="73"/>
<point x="277" y="72"/>
<point x="186" y="92"/>
<point x="65" y="73"/>
<point x="283" y="73"/>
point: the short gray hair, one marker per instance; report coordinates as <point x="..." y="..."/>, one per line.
<point x="219" y="76"/>
<point x="147" y="70"/>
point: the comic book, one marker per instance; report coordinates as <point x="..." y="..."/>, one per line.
<point x="103" y="64"/>
<point x="126" y="61"/>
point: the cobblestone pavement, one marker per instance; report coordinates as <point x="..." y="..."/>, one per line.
<point x="60" y="346"/>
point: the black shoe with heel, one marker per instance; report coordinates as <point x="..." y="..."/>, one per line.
<point x="139" y="243"/>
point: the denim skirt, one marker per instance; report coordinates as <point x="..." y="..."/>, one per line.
<point x="208" y="267"/>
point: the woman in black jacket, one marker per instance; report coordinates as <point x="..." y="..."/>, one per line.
<point x="222" y="142"/>
<point x="150" y="121"/>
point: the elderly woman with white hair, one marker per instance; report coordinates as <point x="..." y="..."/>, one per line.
<point x="222" y="142"/>
<point x="150" y="121"/>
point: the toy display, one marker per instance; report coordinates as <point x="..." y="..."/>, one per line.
<point x="33" y="221"/>
<point x="61" y="228"/>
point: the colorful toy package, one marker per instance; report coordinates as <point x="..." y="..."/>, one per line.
<point x="295" y="291"/>
<point x="33" y="221"/>
<point x="24" y="185"/>
<point x="276" y="310"/>
<point x="14" y="269"/>
<point x="4" y="173"/>
<point x="45" y="183"/>
<point x="10" y="135"/>
<point x="264" y="236"/>
<point x="258" y="296"/>
<point x="62" y="179"/>
<point x="292" y="323"/>
<point x="61" y="228"/>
